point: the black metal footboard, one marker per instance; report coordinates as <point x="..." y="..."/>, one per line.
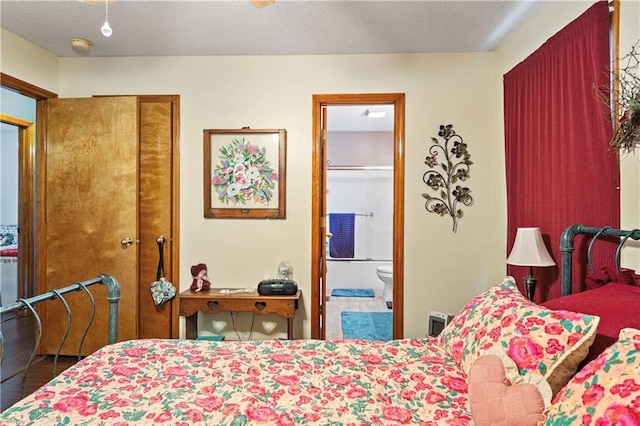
<point x="113" y="297"/>
<point x="567" y="246"/>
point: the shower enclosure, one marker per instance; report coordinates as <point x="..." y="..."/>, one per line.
<point x="367" y="192"/>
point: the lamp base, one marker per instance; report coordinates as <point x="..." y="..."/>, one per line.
<point x="530" y="284"/>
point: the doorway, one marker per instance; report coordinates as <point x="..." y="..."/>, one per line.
<point x="9" y="211"/>
<point x="16" y="227"/>
<point x="355" y="252"/>
<point x="26" y="178"/>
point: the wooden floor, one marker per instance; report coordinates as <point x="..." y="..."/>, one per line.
<point x="19" y="336"/>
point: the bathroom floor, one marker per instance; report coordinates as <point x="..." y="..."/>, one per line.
<point x="336" y="305"/>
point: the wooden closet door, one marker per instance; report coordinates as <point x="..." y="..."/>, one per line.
<point x="87" y="203"/>
<point x="159" y="116"/>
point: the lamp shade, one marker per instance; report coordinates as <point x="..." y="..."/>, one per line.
<point x="529" y="249"/>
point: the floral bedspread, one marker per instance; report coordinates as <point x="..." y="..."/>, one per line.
<point x="184" y="382"/>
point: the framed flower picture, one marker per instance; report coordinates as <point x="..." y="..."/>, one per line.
<point x="244" y="174"/>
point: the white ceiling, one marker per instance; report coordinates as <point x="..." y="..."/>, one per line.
<point x="343" y="118"/>
<point x="288" y="27"/>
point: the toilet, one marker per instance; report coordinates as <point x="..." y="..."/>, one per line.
<point x="385" y="273"/>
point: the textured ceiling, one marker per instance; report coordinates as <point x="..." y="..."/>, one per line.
<point x="288" y="27"/>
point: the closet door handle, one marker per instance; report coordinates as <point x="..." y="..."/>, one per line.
<point x="126" y="242"/>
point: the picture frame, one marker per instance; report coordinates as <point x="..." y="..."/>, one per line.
<point x="245" y="173"/>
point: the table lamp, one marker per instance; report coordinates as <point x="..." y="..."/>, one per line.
<point x="529" y="250"/>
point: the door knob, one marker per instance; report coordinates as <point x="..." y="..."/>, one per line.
<point x="126" y="242"/>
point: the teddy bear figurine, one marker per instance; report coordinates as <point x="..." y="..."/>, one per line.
<point x="200" y="278"/>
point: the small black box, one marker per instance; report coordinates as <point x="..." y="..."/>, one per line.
<point x="277" y="287"/>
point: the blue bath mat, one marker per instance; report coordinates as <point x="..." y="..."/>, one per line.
<point x="367" y="325"/>
<point x="352" y="292"/>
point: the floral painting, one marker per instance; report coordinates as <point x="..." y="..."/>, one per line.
<point x="244" y="173"/>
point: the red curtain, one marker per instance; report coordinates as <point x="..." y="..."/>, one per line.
<point x="559" y="168"/>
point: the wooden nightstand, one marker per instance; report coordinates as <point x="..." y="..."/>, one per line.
<point x="212" y="302"/>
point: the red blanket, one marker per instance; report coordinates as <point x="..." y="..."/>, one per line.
<point x="13" y="252"/>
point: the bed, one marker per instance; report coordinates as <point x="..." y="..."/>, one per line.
<point x="8" y="263"/>
<point x="431" y="381"/>
<point x="609" y="291"/>
<point x="8" y="241"/>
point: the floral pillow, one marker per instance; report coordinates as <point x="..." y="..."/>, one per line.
<point x="606" y="391"/>
<point x="538" y="339"/>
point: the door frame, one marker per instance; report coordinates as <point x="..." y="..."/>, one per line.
<point x="318" y="218"/>
<point x="26" y="194"/>
<point x="26" y="151"/>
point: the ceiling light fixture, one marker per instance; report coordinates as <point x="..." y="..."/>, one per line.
<point x="259" y="4"/>
<point x="106" y="28"/>
<point x="80" y="45"/>
<point x="375" y="114"/>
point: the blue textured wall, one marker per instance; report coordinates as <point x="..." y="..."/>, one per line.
<point x="16" y="105"/>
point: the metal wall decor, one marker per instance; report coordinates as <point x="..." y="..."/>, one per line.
<point x="444" y="176"/>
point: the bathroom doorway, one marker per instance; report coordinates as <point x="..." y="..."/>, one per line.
<point x="357" y="216"/>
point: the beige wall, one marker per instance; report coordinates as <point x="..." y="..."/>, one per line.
<point x="28" y="62"/>
<point x="276" y="92"/>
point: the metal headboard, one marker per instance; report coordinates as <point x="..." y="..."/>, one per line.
<point x="566" y="247"/>
<point x="113" y="297"/>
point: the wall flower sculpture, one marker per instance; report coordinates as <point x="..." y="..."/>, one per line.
<point x="447" y="174"/>
<point x="623" y="97"/>
<point x="244" y="174"/>
<point x="627" y="134"/>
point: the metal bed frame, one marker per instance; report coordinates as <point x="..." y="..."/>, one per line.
<point x="113" y="297"/>
<point x="566" y="247"/>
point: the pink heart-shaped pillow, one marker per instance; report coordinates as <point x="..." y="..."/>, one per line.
<point x="495" y="401"/>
